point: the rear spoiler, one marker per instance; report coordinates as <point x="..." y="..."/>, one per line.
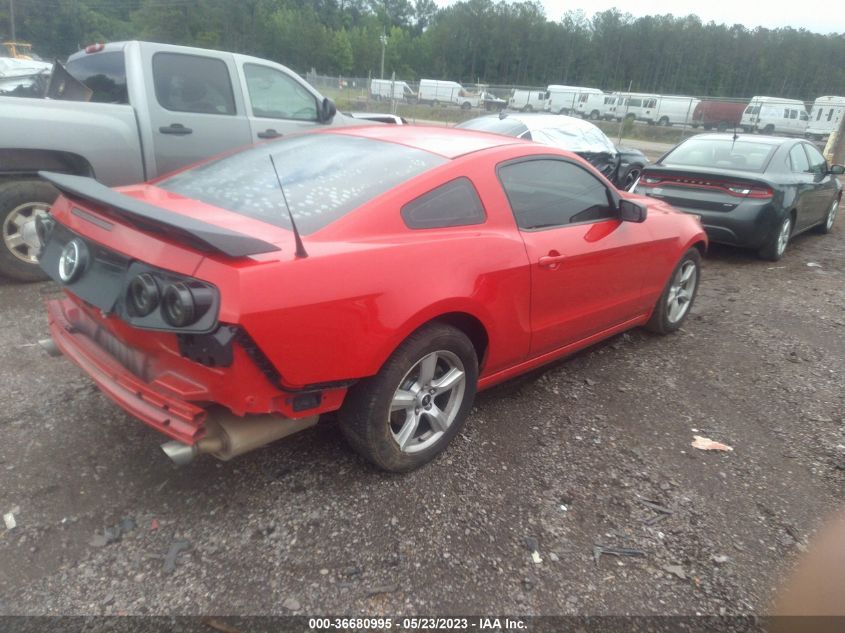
<point x="207" y="237"/>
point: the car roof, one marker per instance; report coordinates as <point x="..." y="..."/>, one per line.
<point x="539" y="121"/>
<point x="443" y="141"/>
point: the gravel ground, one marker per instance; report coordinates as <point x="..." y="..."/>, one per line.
<point x="594" y="450"/>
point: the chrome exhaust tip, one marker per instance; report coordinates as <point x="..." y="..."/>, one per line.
<point x="180" y="454"/>
<point x="49" y="346"/>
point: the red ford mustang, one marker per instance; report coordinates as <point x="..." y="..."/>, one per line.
<point x="387" y="273"/>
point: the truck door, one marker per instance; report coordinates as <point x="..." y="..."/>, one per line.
<point x="280" y="103"/>
<point x="194" y="111"/>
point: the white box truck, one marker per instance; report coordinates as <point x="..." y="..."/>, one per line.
<point x="565" y="99"/>
<point x="825" y="117"/>
<point x="386" y="89"/>
<point x="769" y="115"/>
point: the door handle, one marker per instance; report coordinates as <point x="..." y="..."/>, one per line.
<point x="175" y="128"/>
<point x="552" y="260"/>
<point x="271" y="133"/>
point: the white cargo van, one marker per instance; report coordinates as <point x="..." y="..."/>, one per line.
<point x="528" y="100"/>
<point x="670" y="109"/>
<point x="387" y="89"/>
<point x="825" y="116"/>
<point x="636" y="105"/>
<point x="592" y="105"/>
<point x="565" y="99"/>
<point x="434" y="91"/>
<point x="769" y="115"/>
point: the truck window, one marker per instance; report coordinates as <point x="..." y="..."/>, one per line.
<point x="829" y="114"/>
<point x="275" y="95"/>
<point x="103" y="73"/>
<point x="190" y="83"/>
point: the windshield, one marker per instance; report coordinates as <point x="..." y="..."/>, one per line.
<point x="720" y="154"/>
<point x="325" y="176"/>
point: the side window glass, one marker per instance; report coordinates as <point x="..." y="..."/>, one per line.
<point x="817" y="162"/>
<point x="546" y="193"/>
<point x="275" y="95"/>
<point x="454" y="204"/>
<point x="799" y="159"/>
<point x="190" y="83"/>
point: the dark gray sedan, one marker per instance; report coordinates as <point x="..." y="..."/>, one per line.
<point x="750" y="191"/>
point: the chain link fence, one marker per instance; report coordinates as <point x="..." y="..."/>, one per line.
<point x="643" y="116"/>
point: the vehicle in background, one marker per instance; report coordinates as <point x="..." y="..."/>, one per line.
<point x="591" y="105"/>
<point x="387" y="89"/>
<point x="530" y="255"/>
<point x="722" y="115"/>
<point x="565" y="99"/>
<point x="636" y="105"/>
<point x="377" y="117"/>
<point x="773" y="115"/>
<point x="825" y="117"/>
<point x="750" y="191"/>
<point x="607" y="107"/>
<point x="528" y="100"/>
<point x="18" y="74"/>
<point x="18" y="50"/>
<point x="670" y="110"/>
<point x="620" y="165"/>
<point x="490" y="102"/>
<point x="153" y="108"/>
<point x="436" y="91"/>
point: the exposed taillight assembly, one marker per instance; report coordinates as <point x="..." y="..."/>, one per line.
<point x="160" y="300"/>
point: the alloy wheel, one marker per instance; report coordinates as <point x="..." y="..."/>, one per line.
<point x="681" y="292"/>
<point x="427" y="401"/>
<point x="19" y="235"/>
<point x="831" y="215"/>
<point x="783" y="236"/>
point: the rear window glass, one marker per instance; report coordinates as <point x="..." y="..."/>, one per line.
<point x="325" y="176"/>
<point x="454" y="204"/>
<point x="190" y="83"/>
<point x="721" y="154"/>
<point x="103" y="73"/>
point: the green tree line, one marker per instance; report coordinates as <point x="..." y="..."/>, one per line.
<point x="511" y="43"/>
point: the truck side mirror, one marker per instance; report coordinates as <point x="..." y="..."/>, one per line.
<point x="327" y="110"/>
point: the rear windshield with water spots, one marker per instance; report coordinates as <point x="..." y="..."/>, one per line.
<point x="325" y="176"/>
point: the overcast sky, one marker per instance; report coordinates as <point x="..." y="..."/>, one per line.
<point x="824" y="17"/>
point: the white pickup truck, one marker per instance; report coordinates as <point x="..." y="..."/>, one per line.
<point x="152" y="108"/>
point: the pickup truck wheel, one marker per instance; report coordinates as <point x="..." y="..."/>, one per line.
<point x="405" y="415"/>
<point x="674" y="304"/>
<point x="466" y="105"/>
<point x="20" y="203"/>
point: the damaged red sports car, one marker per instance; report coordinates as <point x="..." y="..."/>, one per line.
<point x="385" y="273"/>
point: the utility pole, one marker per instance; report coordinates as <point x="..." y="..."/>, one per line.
<point x="383" y="39"/>
<point x="12" y="19"/>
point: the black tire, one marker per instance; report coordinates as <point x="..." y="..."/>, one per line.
<point x="528" y="108"/>
<point x="769" y="129"/>
<point x="15" y="196"/>
<point x="660" y="321"/>
<point x="695" y="126"/>
<point x="466" y="105"/>
<point x="594" y="115"/>
<point x="664" y="121"/>
<point x="365" y="415"/>
<point x="773" y="249"/>
<point x="708" y="127"/>
<point x="827" y="226"/>
<point x="629" y="177"/>
<point x="722" y="127"/>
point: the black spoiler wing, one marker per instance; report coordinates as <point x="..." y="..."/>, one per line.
<point x="205" y="236"/>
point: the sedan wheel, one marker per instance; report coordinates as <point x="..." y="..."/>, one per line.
<point x="678" y="296"/>
<point x="631" y="176"/>
<point x="406" y="414"/>
<point x="827" y="227"/>
<point x="776" y="246"/>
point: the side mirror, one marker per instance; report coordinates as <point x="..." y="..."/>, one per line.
<point x="630" y="211"/>
<point x="327" y="110"/>
<point x="836" y="170"/>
